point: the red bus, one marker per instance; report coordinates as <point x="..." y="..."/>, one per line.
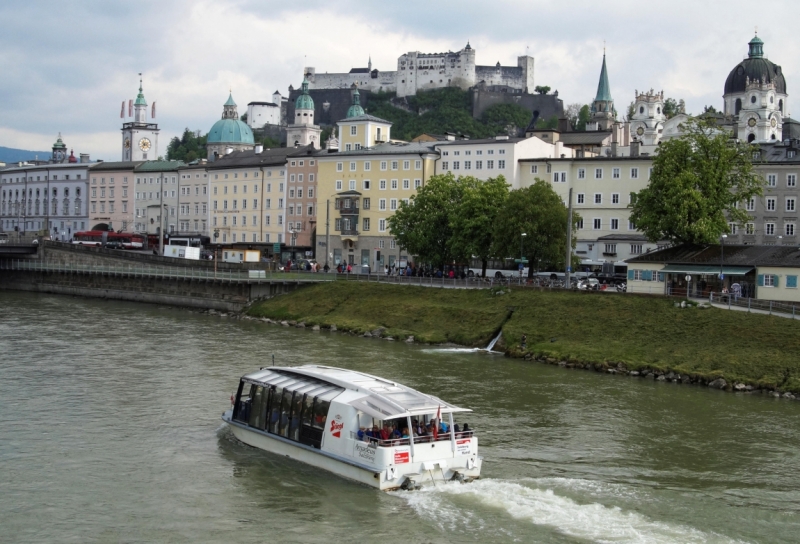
<point x="95" y="238"/>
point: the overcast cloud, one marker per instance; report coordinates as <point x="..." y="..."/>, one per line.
<point x="68" y="66"/>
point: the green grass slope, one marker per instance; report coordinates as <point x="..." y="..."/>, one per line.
<point x="641" y="332"/>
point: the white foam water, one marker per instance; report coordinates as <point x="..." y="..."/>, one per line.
<point x="593" y="522"/>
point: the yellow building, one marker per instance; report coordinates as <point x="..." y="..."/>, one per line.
<point x="247" y="200"/>
<point x="361" y="181"/>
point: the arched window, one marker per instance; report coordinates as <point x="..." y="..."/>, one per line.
<point x="780" y="106"/>
<point x="738" y="106"/>
<point x="751" y="138"/>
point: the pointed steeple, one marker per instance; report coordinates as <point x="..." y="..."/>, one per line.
<point x="603" y="88"/>
<point x="140" y="101"/>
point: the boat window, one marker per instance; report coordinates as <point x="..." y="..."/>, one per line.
<point x="242" y="395"/>
<point x="308" y="408"/>
<point x="275" y="409"/>
<point x="257" y="407"/>
<point x="294" y="420"/>
<point x="286" y="406"/>
<point x="320" y="413"/>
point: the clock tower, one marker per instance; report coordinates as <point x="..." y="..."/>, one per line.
<point x="139" y="138"/>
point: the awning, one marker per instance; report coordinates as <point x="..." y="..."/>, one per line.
<point x="707" y="269"/>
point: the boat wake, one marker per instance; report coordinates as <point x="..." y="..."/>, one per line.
<point x="487" y="349"/>
<point x="486" y="503"/>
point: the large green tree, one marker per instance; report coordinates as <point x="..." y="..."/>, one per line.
<point x="583" y="117"/>
<point x="473" y="219"/>
<point x="698" y="181"/>
<point x="187" y="148"/>
<point x="538" y="212"/>
<point x="423" y="226"/>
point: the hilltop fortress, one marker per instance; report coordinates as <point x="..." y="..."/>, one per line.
<point x="426" y="71"/>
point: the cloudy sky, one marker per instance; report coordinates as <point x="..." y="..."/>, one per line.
<point x="67" y="66"/>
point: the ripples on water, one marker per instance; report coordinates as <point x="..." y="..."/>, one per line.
<point x="110" y="431"/>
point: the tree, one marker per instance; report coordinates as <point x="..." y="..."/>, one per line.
<point x="631" y="111"/>
<point x="709" y="109"/>
<point x="583" y="117"/>
<point x="572" y="112"/>
<point x="423" y="226"/>
<point x="550" y="123"/>
<point x="697" y="181"/>
<point x="538" y="212"/>
<point x="243" y="117"/>
<point x="472" y="220"/>
<point x="670" y="108"/>
<point x="187" y="148"/>
<point x="542" y="89"/>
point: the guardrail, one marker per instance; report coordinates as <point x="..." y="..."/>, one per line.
<point x="166" y="272"/>
<point x="770" y="306"/>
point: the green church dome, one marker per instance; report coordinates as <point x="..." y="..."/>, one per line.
<point x="304" y="101"/>
<point x="230" y="131"/>
<point x="355" y="110"/>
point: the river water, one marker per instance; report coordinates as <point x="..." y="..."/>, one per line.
<point x="110" y="431"/>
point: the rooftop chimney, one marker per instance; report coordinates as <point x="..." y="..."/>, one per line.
<point x="228" y="150"/>
<point x="84" y="158"/>
<point x="259" y="148"/>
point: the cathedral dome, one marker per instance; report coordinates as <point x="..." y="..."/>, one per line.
<point x="230" y="131"/>
<point x="755" y="66"/>
<point x="355" y="109"/>
<point x="304" y="101"/>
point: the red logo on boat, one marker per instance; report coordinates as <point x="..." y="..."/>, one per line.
<point x="401" y="457"/>
<point x="336" y="428"/>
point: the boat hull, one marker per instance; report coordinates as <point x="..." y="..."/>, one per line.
<point x="409" y="475"/>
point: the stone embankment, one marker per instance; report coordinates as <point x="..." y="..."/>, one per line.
<point x="618" y="369"/>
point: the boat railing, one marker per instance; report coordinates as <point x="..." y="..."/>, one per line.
<point x="393" y="442"/>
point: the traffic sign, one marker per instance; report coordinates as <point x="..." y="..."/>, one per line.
<point x="688" y="277"/>
<point x="276" y="247"/>
<point x="525" y="261"/>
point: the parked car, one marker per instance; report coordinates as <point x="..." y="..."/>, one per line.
<point x="589" y="284"/>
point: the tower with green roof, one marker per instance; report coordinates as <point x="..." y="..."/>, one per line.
<point x="139" y="137"/>
<point x="355" y="108"/>
<point x="303" y="131"/>
<point x="229" y="133"/>
<point x="603" y="105"/>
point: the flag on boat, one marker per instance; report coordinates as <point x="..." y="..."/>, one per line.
<point x="122" y="111"/>
<point x="436" y="426"/>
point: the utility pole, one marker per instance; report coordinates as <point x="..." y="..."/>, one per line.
<point x="569" y="242"/>
<point x="327" y="229"/>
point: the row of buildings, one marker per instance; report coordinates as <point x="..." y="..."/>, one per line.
<point x="333" y="203"/>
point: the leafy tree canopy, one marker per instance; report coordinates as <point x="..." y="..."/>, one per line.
<point x="446" y="110"/>
<point x="542" y="89"/>
<point x="697" y="182"/>
<point x="583" y="117"/>
<point x="187" y="148"/>
<point x="538" y="212"/>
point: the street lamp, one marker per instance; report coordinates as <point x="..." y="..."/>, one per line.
<point x="721" y="260"/>
<point x="521" y="253"/>
<point x="216" y="250"/>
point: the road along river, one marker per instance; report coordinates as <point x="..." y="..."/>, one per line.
<point x="110" y="431"/>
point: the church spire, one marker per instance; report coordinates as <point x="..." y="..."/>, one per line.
<point x="603" y="88"/>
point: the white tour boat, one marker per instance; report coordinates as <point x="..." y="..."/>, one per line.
<point x="320" y="415"/>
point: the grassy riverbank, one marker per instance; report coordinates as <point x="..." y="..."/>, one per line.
<point x="640" y="332"/>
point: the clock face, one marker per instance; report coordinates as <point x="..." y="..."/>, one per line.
<point x="144" y="144"/>
<point x="751" y="121"/>
<point x="127" y="143"/>
<point x="773" y="122"/>
<point x="640" y="131"/>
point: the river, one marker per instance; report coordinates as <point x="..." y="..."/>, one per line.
<point x="110" y="431"/>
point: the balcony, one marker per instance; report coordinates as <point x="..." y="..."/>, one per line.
<point x="349" y="232"/>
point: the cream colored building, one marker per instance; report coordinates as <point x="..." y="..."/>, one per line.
<point x="247" y="200"/>
<point x="601" y="193"/>
<point x="361" y="184"/>
<point x="112" y="195"/>
<point x="193" y="198"/>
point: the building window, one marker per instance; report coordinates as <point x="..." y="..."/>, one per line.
<point x="772" y="180"/>
<point x="456" y="165"/>
<point x="352" y="185"/>
<point x="615" y="198"/>
<point x="615" y="224"/>
<point x="383" y="165"/>
<point x="382" y="225"/>
<point x="615" y="173"/>
<point x="339" y="166"/>
<point x="394" y="185"/>
<point x="597" y="223"/>
<point x="445" y="165"/>
<point x="365" y="203"/>
<point x="367" y="166"/>
<point x="769" y="229"/>
<point x="393" y="204"/>
<point x="750" y="228"/>
<point x="788" y="229"/>
<point x="417" y="165"/>
<point x="598" y="198"/>
<point x="365" y="224"/>
<point x="417" y="183"/>
<point x="467" y="165"/>
<point x="598" y="173"/>
<point x="770" y="280"/>
<point x="791" y="180"/>
<point x="771" y="203"/>
<point x="382" y="204"/>
<point x="610" y="249"/>
<point x="353" y="130"/>
<point x="580" y="223"/>
<point x="750" y="205"/>
<point x="534" y="169"/>
<point x="791" y="204"/>
<point x="636" y="249"/>
<point x="382" y="185"/>
<point x="490" y="164"/>
<point x="634" y="173"/>
<point x="394" y="165"/>
<point x="631" y="226"/>
<point x="581" y="173"/>
<point x="478" y="165"/>
<point x="338" y="185"/>
<point x="791" y="282"/>
<point x="580" y="197"/>
<point x="501" y="164"/>
<point x="406" y="184"/>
